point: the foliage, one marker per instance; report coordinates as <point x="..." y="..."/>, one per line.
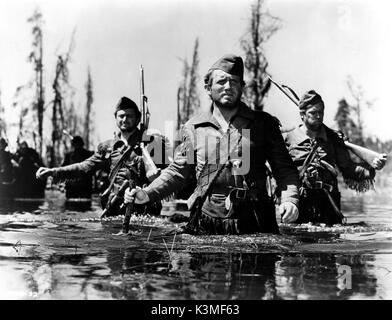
<point x="61" y="89"/>
<point x="261" y="27"/>
<point x="349" y="116"/>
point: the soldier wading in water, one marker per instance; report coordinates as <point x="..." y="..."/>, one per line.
<point x="318" y="152"/>
<point x="228" y="146"/>
<point x="121" y="155"/>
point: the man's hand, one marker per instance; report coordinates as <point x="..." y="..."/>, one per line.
<point x="289" y="212"/>
<point x="379" y="162"/>
<point x="138" y="195"/>
<point x="43" y="172"/>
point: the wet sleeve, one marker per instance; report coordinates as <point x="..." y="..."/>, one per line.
<point x="283" y="168"/>
<point x="174" y="177"/>
<point x="97" y="161"/>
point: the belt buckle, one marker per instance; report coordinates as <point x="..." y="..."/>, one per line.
<point x="240" y="194"/>
<point x="318" y="185"/>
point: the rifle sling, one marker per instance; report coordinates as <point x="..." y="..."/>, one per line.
<point x="308" y="161"/>
<point x="117" y="166"/>
<point x="202" y="190"/>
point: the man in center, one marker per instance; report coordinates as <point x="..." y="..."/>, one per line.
<point x="228" y="146"/>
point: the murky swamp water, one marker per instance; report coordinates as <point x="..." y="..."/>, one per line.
<point x="52" y="251"/>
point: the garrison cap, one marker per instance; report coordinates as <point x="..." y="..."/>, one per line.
<point x="78" y="140"/>
<point x="126" y="103"/>
<point x="309" y="99"/>
<point x="231" y="64"/>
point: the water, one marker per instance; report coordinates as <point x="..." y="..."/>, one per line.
<point x="52" y="251"/>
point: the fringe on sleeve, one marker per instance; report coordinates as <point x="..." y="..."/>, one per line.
<point x="362" y="185"/>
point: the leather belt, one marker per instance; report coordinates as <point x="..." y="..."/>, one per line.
<point x="322" y="185"/>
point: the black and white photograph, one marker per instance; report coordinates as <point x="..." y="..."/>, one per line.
<point x="209" y="152"/>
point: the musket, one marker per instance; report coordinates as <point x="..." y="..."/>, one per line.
<point x="365" y="154"/>
<point x="115" y="199"/>
<point x="151" y="169"/>
<point x="128" y="212"/>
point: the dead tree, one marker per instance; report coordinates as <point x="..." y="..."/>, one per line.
<point x="89" y="102"/>
<point x="36" y="57"/>
<point x="3" y="124"/>
<point x="188" y="100"/>
<point x="262" y="26"/>
<point x="59" y="85"/>
<point x="358" y="107"/>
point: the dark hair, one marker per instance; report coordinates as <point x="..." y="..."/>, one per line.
<point x="78" y="140"/>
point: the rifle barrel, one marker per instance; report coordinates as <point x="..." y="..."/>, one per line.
<point x="284" y="91"/>
<point x="142" y="98"/>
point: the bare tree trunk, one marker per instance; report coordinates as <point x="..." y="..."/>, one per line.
<point x="36" y="57"/>
<point x="59" y="85"/>
<point x="3" y="125"/>
<point x="187" y="97"/>
<point x="193" y="101"/>
<point x="89" y="102"/>
<point x="41" y="101"/>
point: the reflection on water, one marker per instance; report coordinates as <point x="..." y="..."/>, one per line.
<point x="49" y="250"/>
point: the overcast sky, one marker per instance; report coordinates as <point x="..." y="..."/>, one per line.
<point x="319" y="45"/>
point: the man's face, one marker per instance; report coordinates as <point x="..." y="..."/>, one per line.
<point x="313" y="117"/>
<point x="226" y="89"/>
<point x="127" y="120"/>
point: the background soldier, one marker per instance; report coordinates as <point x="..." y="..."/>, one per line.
<point x="7" y="172"/>
<point x="28" y="162"/>
<point x="80" y="187"/>
<point x="318" y="151"/>
<point x="231" y="195"/>
<point x="121" y="155"/>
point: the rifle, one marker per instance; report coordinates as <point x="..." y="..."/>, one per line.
<point x="115" y="199"/>
<point x="151" y="169"/>
<point x="308" y="161"/>
<point x="128" y="212"/>
<point x="365" y="154"/>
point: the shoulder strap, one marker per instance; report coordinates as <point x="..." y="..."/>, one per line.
<point x="201" y="191"/>
<point x="117" y="166"/>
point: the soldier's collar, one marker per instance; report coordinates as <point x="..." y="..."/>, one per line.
<point x="207" y="117"/>
<point x="117" y="141"/>
<point x="245" y="112"/>
<point x="301" y="136"/>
